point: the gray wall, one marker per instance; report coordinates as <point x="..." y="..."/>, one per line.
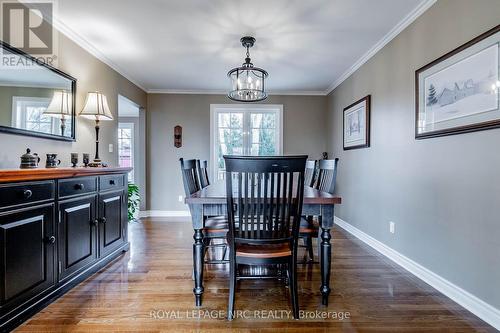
<point x="303" y="122"/>
<point x="91" y="75"/>
<point x="443" y="193"/>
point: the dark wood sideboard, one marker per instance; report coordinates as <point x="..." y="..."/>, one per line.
<point x="57" y="227"/>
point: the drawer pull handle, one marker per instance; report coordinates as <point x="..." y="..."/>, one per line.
<point x="50" y="240"/>
<point x="94" y="222"/>
<point x="27" y="194"/>
<point x="103" y="220"/>
<point x="79" y="186"/>
<point x="112" y="182"/>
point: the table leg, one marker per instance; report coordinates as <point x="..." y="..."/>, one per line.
<point x="198" y="265"/>
<point x="326" y="258"/>
<point x="198" y="251"/>
<point x="326" y="222"/>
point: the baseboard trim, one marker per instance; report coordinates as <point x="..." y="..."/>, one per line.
<point x="164" y="213"/>
<point x="483" y="310"/>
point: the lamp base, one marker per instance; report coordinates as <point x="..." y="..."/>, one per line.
<point x="95" y="164"/>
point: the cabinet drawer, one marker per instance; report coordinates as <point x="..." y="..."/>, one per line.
<point x="77" y="186"/>
<point x="111" y="182"/>
<point x="24" y="193"/>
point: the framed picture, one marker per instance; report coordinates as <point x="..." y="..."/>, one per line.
<point x="459" y="92"/>
<point x="357" y="124"/>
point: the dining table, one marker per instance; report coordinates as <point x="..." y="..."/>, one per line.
<point x="212" y="201"/>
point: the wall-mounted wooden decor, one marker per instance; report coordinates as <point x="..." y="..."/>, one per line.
<point x="178" y="136"/>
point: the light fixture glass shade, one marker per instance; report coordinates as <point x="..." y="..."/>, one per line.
<point x="61" y="105"/>
<point x="247" y="84"/>
<point x="96" y="107"/>
<point x="247" y="81"/>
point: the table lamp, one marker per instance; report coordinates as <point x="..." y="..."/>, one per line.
<point x="96" y="107"/>
<point x="60" y="107"/>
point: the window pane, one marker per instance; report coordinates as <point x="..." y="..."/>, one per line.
<point x="237" y="120"/>
<point x="125" y="148"/>
<point x="32" y="114"/>
<point x="264" y="136"/>
<point x="125" y="145"/>
<point x="256" y="119"/>
<point x="263" y="120"/>
<point x="33" y="126"/>
<point x="236" y="138"/>
<point x="256" y="135"/>
<point x="224" y="135"/>
<point x="223" y="120"/>
<point x="255" y="149"/>
<point x="46" y="127"/>
<point x="269" y="120"/>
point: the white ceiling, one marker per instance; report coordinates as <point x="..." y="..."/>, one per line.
<point x="189" y="45"/>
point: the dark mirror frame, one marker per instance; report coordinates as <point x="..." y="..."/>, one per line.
<point x="18" y="131"/>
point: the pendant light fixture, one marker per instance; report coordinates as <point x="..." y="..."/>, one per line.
<point x="247" y="81"/>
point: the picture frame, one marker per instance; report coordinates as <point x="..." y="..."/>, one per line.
<point x="459" y="92"/>
<point x="356" y="124"/>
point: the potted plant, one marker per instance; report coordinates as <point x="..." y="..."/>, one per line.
<point x="133" y="202"/>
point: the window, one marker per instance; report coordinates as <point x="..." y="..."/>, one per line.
<point x="27" y="113"/>
<point x="126" y="147"/>
<point x="244" y="130"/>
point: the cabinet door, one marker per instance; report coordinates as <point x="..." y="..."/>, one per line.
<point x="77" y="235"/>
<point x="112" y="221"/>
<point x="27" y="254"/>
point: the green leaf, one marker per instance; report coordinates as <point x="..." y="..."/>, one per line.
<point x="133" y="200"/>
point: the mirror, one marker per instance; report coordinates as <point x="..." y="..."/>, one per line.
<point x="35" y="99"/>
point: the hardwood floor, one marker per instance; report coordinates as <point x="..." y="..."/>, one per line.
<point x="149" y="289"/>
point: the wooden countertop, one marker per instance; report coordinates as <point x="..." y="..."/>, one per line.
<point x="21" y="175"/>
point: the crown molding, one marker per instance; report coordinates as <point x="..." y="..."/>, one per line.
<point x="87" y="46"/>
<point x="224" y="92"/>
<point x="186" y="92"/>
<point x="398" y="28"/>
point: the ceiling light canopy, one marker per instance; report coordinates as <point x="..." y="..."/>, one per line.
<point x="247" y="81"/>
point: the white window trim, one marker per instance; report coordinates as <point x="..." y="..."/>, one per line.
<point x="214" y="108"/>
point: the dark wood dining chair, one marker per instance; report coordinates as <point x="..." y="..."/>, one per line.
<point x="202" y="168"/>
<point x="215" y="227"/>
<point x="310" y="173"/>
<point x="309" y="225"/>
<point x="265" y="195"/>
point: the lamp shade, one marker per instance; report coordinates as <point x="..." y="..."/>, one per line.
<point x="96" y="107"/>
<point x="60" y="106"/>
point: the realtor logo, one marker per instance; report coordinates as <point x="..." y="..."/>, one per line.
<point x="27" y="26"/>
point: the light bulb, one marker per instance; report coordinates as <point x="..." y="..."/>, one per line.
<point x="249" y="79"/>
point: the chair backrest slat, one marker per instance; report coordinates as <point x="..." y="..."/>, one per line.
<point x="202" y="167"/>
<point x="267" y="197"/>
<point x="327" y="175"/>
<point x="189" y="176"/>
<point x="310" y="173"/>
